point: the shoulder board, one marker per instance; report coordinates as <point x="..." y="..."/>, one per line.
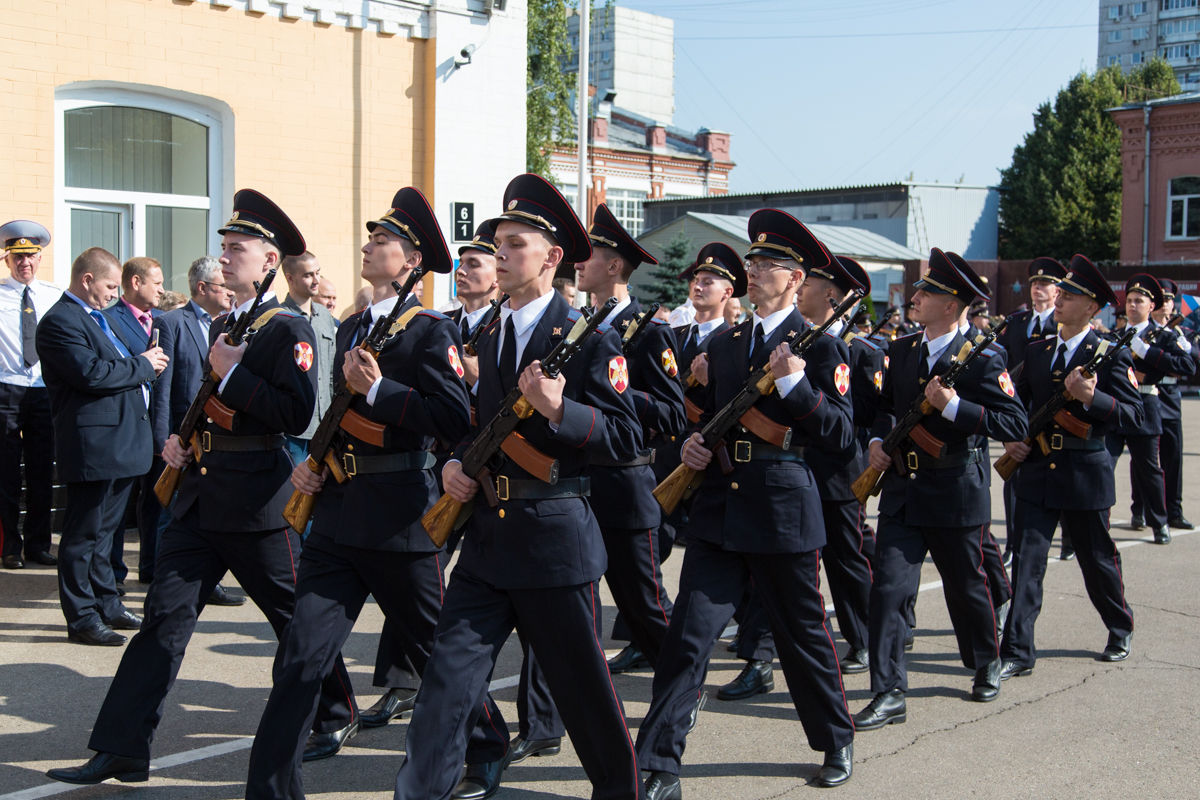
<point x="265" y="317"/>
<point x="1045" y="343"/>
<point x="603" y="327"/>
<point x="865" y="341"/>
<point x="572" y="316"/>
<point x="657" y="321"/>
<point x="429" y="312"/>
<point x="831" y="335"/>
<point x="907" y="336"/>
<point x="220" y="316"/>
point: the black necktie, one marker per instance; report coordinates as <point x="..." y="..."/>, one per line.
<point x="923" y="372"/>
<point x="508" y="356"/>
<point x="28" y="329"/>
<point x="364" y="328"/>
<point x="466" y="329"/>
<point x="1038" y="331"/>
<point x="1058" y="371"/>
<point x="757" y="358"/>
<point x="692" y="337"/>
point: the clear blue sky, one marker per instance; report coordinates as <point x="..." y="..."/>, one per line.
<point x="847" y="92"/>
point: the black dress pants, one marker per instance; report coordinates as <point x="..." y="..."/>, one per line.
<point x="847" y="569"/>
<point x="712" y="584"/>
<point x="86" y="587"/>
<point x="1170" y="457"/>
<point x="958" y="554"/>
<point x="28" y="432"/>
<point x="190" y="563"/>
<point x="1146" y="474"/>
<point x="334" y="582"/>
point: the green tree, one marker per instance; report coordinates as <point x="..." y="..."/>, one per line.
<point x="666" y="287"/>
<point x="1064" y="184"/>
<point x="548" y="88"/>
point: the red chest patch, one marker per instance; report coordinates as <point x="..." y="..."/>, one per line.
<point x="455" y="361"/>
<point x="879" y="381"/>
<point x="1133" y="378"/>
<point x="303" y="354"/>
<point x="841" y="378"/>
<point x="1006" y="384"/>
<point x="618" y="373"/>
<point x="668" y="362"/>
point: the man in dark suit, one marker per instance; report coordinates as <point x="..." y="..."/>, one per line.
<point x="1074" y="485"/>
<point x="942" y="506"/>
<point x="133" y="315"/>
<point x="102" y="440"/>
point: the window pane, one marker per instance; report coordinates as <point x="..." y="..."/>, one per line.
<point x="176" y="237"/>
<point x="1193" y="216"/>
<point x="136" y="149"/>
<point x="1177" y="218"/>
<point x="95" y="229"/>
<point x="1189" y="185"/>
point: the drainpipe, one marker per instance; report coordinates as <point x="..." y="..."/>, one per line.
<point x="1146" y="187"/>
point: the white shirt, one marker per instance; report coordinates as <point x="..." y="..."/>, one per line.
<point x="203" y="319"/>
<point x="235" y="315"/>
<point x="376" y="312"/>
<point x="524" y="319"/>
<point x="1072" y="345"/>
<point x="473" y="317"/>
<point x="701" y="330"/>
<point x="936" y="348"/>
<point x="785" y="383"/>
<point x="12" y="355"/>
<point x="1044" y="318"/>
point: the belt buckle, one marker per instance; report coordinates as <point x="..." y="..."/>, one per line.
<point x="349" y="464"/>
<point x="741" y="454"/>
<point x="1056" y="441"/>
<point x="911" y="460"/>
<point x="501" y="487"/>
<point x="206" y="442"/>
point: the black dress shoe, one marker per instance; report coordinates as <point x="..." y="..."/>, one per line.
<point x="47" y="560"/>
<point x="1137" y="523"/>
<point x="479" y="781"/>
<point x="328" y="745"/>
<point x="1179" y="522"/>
<point x="733" y="644"/>
<point x="522" y="749"/>
<point x="127" y="621"/>
<point x="1067" y="553"/>
<point x="1163" y="535"/>
<point x="885" y="708"/>
<point x="856" y="661"/>
<point x="630" y="658"/>
<point x="1013" y="669"/>
<point x="1008" y="554"/>
<point x="756" y="677"/>
<point x="987" y="682"/>
<point x="1117" y="649"/>
<point x="394" y="703"/>
<point x="97" y="634"/>
<point x="663" y="786"/>
<point x="694" y="717"/>
<point x="909" y="640"/>
<point x="103" y="766"/>
<point x="838" y="766"/>
<point x="13" y="562"/>
<point x="221" y="597"/>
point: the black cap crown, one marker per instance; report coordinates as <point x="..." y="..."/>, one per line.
<point x="778" y="234"/>
<point x="1144" y="283"/>
<point x="606" y="231"/>
<point x="484" y="241"/>
<point x="1084" y="278"/>
<point x="846" y="274"/>
<point x="255" y="215"/>
<point x="1046" y="269"/>
<point x="723" y="261"/>
<point x="1170" y="288"/>
<point x="949" y="273"/>
<point x="410" y="217"/>
<point x="532" y="200"/>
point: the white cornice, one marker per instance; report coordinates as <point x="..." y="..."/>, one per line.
<point x="408" y="18"/>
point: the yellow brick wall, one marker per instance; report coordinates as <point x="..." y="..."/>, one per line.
<point x="291" y="85"/>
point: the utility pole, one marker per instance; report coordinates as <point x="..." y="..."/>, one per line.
<point x="581" y="203"/>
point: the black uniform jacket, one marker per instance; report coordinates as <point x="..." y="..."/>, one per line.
<point x="666" y="457"/>
<point x="272" y="393"/>
<point x="773" y="506"/>
<point x="1015" y="338"/>
<point x="950" y="497"/>
<point x="101" y="425"/>
<point x="539" y="544"/>
<point x="1164" y="360"/>
<point x="622" y="496"/>
<point x="1080" y="480"/>
<point x="421" y="398"/>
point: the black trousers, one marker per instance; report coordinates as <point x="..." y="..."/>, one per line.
<point x="86" y="587"/>
<point x="537" y="716"/>
<point x="958" y="554"/>
<point x="993" y="565"/>
<point x="712" y="584"/>
<point x="393" y="668"/>
<point x="755" y="641"/>
<point x="455" y="719"/>
<point x="1145" y="473"/>
<point x="333" y="583"/>
<point x="847" y="568"/>
<point x="190" y="563"/>
<point x="28" y="432"/>
<point x="1170" y="457"/>
<point x="1099" y="560"/>
<point x="149" y="514"/>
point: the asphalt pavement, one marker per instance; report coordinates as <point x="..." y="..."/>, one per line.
<point x="1075" y="728"/>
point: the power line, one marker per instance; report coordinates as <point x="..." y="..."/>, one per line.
<point x="874" y="35"/>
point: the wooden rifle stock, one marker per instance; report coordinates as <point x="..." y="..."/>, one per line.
<point x="682" y="480"/>
<point x="867" y="485"/>
<point x="441" y="520"/>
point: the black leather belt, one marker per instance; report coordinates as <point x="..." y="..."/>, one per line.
<point x="646" y="457"/>
<point x="1060" y="442"/>
<point x="241" y="444"/>
<point x="744" y="452"/>
<point x="395" y="462"/>
<point x="540" y="490"/>
<point x="916" y="460"/>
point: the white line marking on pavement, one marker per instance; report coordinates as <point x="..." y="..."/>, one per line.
<point x="234" y="745"/>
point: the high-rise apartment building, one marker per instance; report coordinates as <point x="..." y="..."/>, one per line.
<point x="631" y="53"/>
<point x="1133" y="33"/>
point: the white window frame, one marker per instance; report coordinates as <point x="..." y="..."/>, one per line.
<point x="213" y="114"/>
<point x="1188" y="199"/>
<point x="1114" y="12"/>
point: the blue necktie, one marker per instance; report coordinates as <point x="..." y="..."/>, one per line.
<point x="112" y="337"/>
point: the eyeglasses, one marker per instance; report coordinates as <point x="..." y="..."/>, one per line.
<point x="761" y="267"/>
<point x="214" y="285"/>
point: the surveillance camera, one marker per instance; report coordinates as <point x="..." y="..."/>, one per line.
<point x="467" y="51"/>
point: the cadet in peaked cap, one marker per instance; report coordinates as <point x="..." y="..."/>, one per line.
<point x="484" y="241"/>
<point x="1170" y="446"/>
<point x="255" y="215"/>
<point x="723" y="261"/>
<point x="24" y="236"/>
<point x="606" y="231"/>
<point x="411" y="218"/>
<point x="949" y="273"/>
<point x="532" y="200"/>
<point x="475" y="288"/>
<point x="1070" y="487"/>
<point x="778" y="235"/>
<point x="1148" y="286"/>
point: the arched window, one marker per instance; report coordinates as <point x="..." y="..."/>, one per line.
<point x="139" y="175"/>
<point x="1183" y="202"/>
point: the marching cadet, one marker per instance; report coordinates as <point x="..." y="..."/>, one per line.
<point x="367" y="537"/>
<point x="1074" y="485"/>
<point x="535" y="559"/>
<point x="761" y="522"/>
<point x="1156" y="355"/>
<point x="228" y="510"/>
<point x="1170" y="446"/>
<point x="476" y="288"/>
<point x="943" y="505"/>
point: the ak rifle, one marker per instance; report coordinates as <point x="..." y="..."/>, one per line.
<point x="638" y="327"/>
<point x="1054" y="410"/>
<point x="206" y="405"/>
<point x="491" y="316"/>
<point x="323" y="449"/>
<point x="909" y="427"/>
<point x="499" y="436"/>
<point x="684" y="480"/>
<point x="884" y="320"/>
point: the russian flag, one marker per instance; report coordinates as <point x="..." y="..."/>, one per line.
<point x="1186" y="303"/>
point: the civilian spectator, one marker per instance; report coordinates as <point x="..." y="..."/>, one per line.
<point x="565" y="287"/>
<point x="362" y="299"/>
<point x="733" y="311"/>
<point x="171" y="301"/>
<point x="663" y="313"/>
<point x="327" y="295"/>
